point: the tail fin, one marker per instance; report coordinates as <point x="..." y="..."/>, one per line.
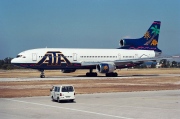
<point x="148" y="42"/>
<point x="151" y="36"/>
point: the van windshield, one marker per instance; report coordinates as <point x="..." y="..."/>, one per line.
<point x="67" y="89"/>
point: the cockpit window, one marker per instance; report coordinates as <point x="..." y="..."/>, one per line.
<point x="20" y="56"/>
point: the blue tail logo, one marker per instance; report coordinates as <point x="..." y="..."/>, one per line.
<point x="152" y="34"/>
<point x="148" y="42"/>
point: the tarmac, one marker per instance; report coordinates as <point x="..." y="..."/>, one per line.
<point x="84" y="77"/>
<point x="124" y="105"/>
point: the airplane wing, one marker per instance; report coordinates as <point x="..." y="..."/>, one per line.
<point x="121" y="62"/>
<point x="89" y="63"/>
<point x="134" y="61"/>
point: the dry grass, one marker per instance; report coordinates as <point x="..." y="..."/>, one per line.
<point x="41" y="88"/>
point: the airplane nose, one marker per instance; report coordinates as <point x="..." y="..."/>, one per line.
<point x="13" y="61"/>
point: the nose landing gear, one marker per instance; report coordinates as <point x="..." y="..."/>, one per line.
<point x="42" y="74"/>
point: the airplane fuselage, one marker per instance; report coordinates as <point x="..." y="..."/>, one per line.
<point x="65" y="58"/>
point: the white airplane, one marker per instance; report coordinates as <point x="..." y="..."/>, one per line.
<point x="131" y="53"/>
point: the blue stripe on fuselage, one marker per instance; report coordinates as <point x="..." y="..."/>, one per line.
<point x="55" y="67"/>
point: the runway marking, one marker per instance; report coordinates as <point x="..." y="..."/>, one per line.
<point x="69" y="109"/>
<point x="87" y="78"/>
<point x="64" y="78"/>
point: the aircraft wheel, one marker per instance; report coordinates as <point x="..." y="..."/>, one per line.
<point x="111" y="74"/>
<point x="94" y="74"/>
<point x="107" y="74"/>
<point x="42" y="73"/>
<point x="87" y="74"/>
<point x="42" y="76"/>
<point x="115" y="74"/>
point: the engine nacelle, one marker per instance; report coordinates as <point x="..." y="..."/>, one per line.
<point x="106" y="67"/>
<point x="68" y="70"/>
<point x="127" y="42"/>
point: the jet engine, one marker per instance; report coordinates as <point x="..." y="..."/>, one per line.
<point x="128" y="42"/>
<point x="106" y="67"/>
<point x="68" y="70"/>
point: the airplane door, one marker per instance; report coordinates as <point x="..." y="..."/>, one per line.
<point x="74" y="57"/>
<point x="34" y="56"/>
<point x="119" y="56"/>
<point x="136" y="56"/>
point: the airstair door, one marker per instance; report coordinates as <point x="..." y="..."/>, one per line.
<point x="34" y="57"/>
<point x="74" y="57"/>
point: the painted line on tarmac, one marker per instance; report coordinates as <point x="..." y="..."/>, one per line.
<point x="66" y="78"/>
<point x="77" y="110"/>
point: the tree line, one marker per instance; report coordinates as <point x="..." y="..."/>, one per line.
<point x="6" y="64"/>
<point x="163" y="63"/>
<point x="169" y="64"/>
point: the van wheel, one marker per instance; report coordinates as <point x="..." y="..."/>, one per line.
<point x="58" y="100"/>
<point x="52" y="98"/>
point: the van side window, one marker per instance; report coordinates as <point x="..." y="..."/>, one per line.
<point x="56" y="89"/>
<point x="64" y="89"/>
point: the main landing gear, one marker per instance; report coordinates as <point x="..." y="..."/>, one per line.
<point x="91" y="74"/>
<point x="112" y="74"/>
<point x="42" y="74"/>
<point x="94" y="74"/>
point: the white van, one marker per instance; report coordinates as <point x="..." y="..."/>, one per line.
<point x="63" y="92"/>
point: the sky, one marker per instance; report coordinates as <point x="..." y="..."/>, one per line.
<point x="29" y="24"/>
